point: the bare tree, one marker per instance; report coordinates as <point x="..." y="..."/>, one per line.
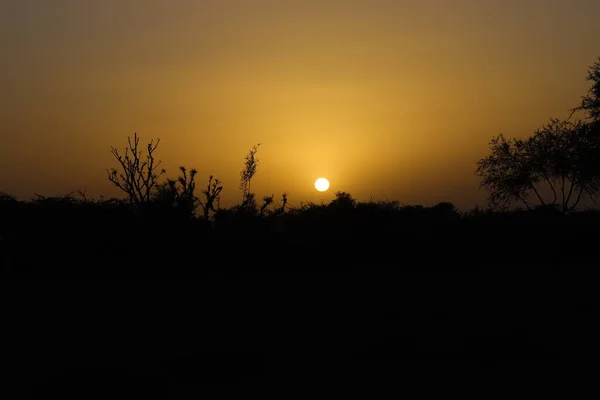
<point x="139" y="173"/>
<point x="212" y="195"/>
<point x="82" y="193"/>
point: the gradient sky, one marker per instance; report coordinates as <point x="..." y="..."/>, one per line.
<point x="389" y="99"/>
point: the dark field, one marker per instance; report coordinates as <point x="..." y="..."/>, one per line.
<point x="348" y="297"/>
<point x="288" y="322"/>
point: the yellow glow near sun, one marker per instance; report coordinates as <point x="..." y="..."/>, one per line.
<point x="321" y="184"/>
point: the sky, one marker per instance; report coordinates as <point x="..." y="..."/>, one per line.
<point x="388" y="99"/>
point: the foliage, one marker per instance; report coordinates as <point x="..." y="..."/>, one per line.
<point x="267" y="201"/>
<point x="342" y="201"/>
<point x="557" y="166"/>
<point x="590" y="103"/>
<point x="246" y="175"/>
<point x="565" y="156"/>
<point x="560" y="159"/>
<point x="504" y="172"/>
<point x="178" y="194"/>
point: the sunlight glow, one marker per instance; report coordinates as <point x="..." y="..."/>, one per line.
<point x="321" y="184"/>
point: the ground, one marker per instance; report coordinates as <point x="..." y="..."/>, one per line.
<point x="290" y="326"/>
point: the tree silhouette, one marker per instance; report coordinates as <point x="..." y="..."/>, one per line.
<point x="561" y="158"/>
<point x="504" y="172"/>
<point x="267" y="201"/>
<point x="212" y="195"/>
<point x="139" y="173"/>
<point x="179" y="193"/>
<point x="342" y="201"/>
<point x="246" y="175"/>
<point x="281" y="208"/>
<point x="563" y="155"/>
<point x="590" y="103"/>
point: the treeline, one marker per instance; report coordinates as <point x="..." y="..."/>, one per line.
<point x="53" y="218"/>
<point x="112" y="237"/>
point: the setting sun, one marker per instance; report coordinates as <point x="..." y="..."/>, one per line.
<point x="322" y="184"/>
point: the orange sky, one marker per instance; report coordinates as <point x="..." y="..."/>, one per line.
<point x="388" y="99"/>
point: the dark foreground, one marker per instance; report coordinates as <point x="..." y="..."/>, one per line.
<point x="305" y="313"/>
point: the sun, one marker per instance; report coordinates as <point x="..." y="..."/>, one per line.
<point x="322" y="184"/>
